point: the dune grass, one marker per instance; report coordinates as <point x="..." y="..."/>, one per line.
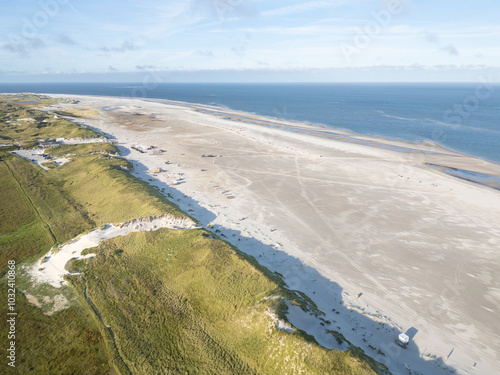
<point x="83" y="111"/>
<point x="35" y="213"/>
<point x="37" y="210"/>
<point x="67" y="342"/>
<point x="22" y="123"/>
<point x="30" y="100"/>
<point x="41" y="208"/>
<point x="82" y="149"/>
<point x="179" y="302"/>
<point x="108" y="193"/>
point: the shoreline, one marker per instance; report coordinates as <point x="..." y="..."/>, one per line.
<point x="279" y="121"/>
<point x="315" y="127"/>
<point x="317" y="200"/>
<point x="341" y="132"/>
<point x="323" y="131"/>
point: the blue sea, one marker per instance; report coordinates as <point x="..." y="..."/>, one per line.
<point x="461" y="117"/>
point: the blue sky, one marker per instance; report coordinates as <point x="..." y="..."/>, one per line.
<point x="250" y="40"/>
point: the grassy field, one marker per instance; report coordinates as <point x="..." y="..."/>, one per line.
<point x="35" y="213"/>
<point x="82" y="149"/>
<point x="41" y="208"/>
<point x="79" y="112"/>
<point x="108" y="193"/>
<point x="184" y="303"/>
<point x="166" y="301"/>
<point x="67" y="342"/>
<point x="21" y="122"/>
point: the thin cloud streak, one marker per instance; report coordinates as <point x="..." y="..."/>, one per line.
<point x="303" y="7"/>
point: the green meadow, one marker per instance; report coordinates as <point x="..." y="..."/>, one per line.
<point x="161" y="302"/>
<point x="22" y="122"/>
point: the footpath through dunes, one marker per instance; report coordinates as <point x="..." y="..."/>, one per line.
<point x="370" y="229"/>
<point x="156" y="300"/>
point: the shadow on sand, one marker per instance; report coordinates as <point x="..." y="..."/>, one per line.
<point x="341" y="324"/>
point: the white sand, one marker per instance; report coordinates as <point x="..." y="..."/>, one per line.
<point x="36" y="154"/>
<point x="51" y="269"/>
<point x="338" y="219"/>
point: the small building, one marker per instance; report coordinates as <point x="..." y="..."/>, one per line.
<point x="403" y="340"/>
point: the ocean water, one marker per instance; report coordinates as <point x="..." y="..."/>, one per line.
<point x="461" y="117"/>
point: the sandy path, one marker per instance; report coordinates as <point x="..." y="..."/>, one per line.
<point x="340" y="219"/>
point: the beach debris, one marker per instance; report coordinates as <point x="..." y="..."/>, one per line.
<point x="177" y="181"/>
<point x="138" y="149"/>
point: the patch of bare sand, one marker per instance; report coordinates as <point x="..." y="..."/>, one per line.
<point x="59" y="302"/>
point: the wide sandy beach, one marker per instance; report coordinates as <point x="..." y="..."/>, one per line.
<point x="381" y="241"/>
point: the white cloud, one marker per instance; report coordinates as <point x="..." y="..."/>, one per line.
<point x="204" y="53"/>
<point x="65" y="39"/>
<point x="431" y="37"/>
<point x="124" y="47"/>
<point x="303" y="7"/>
<point x="450" y="49"/>
<point x="24" y="46"/>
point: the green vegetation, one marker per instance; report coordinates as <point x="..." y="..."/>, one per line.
<point x="67" y="342"/>
<point x="29" y="100"/>
<point x="185" y="303"/>
<point x="42" y="208"/>
<point x="35" y="212"/>
<point x="49" y="164"/>
<point x="21" y="123"/>
<point x="82" y="149"/>
<point x="150" y="302"/>
<point x="103" y="188"/>
<point x="79" y="112"/>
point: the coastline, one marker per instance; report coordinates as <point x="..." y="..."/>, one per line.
<point x="314" y="199"/>
<point x="376" y="115"/>
<point x="323" y="131"/>
<point x="293" y="125"/>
